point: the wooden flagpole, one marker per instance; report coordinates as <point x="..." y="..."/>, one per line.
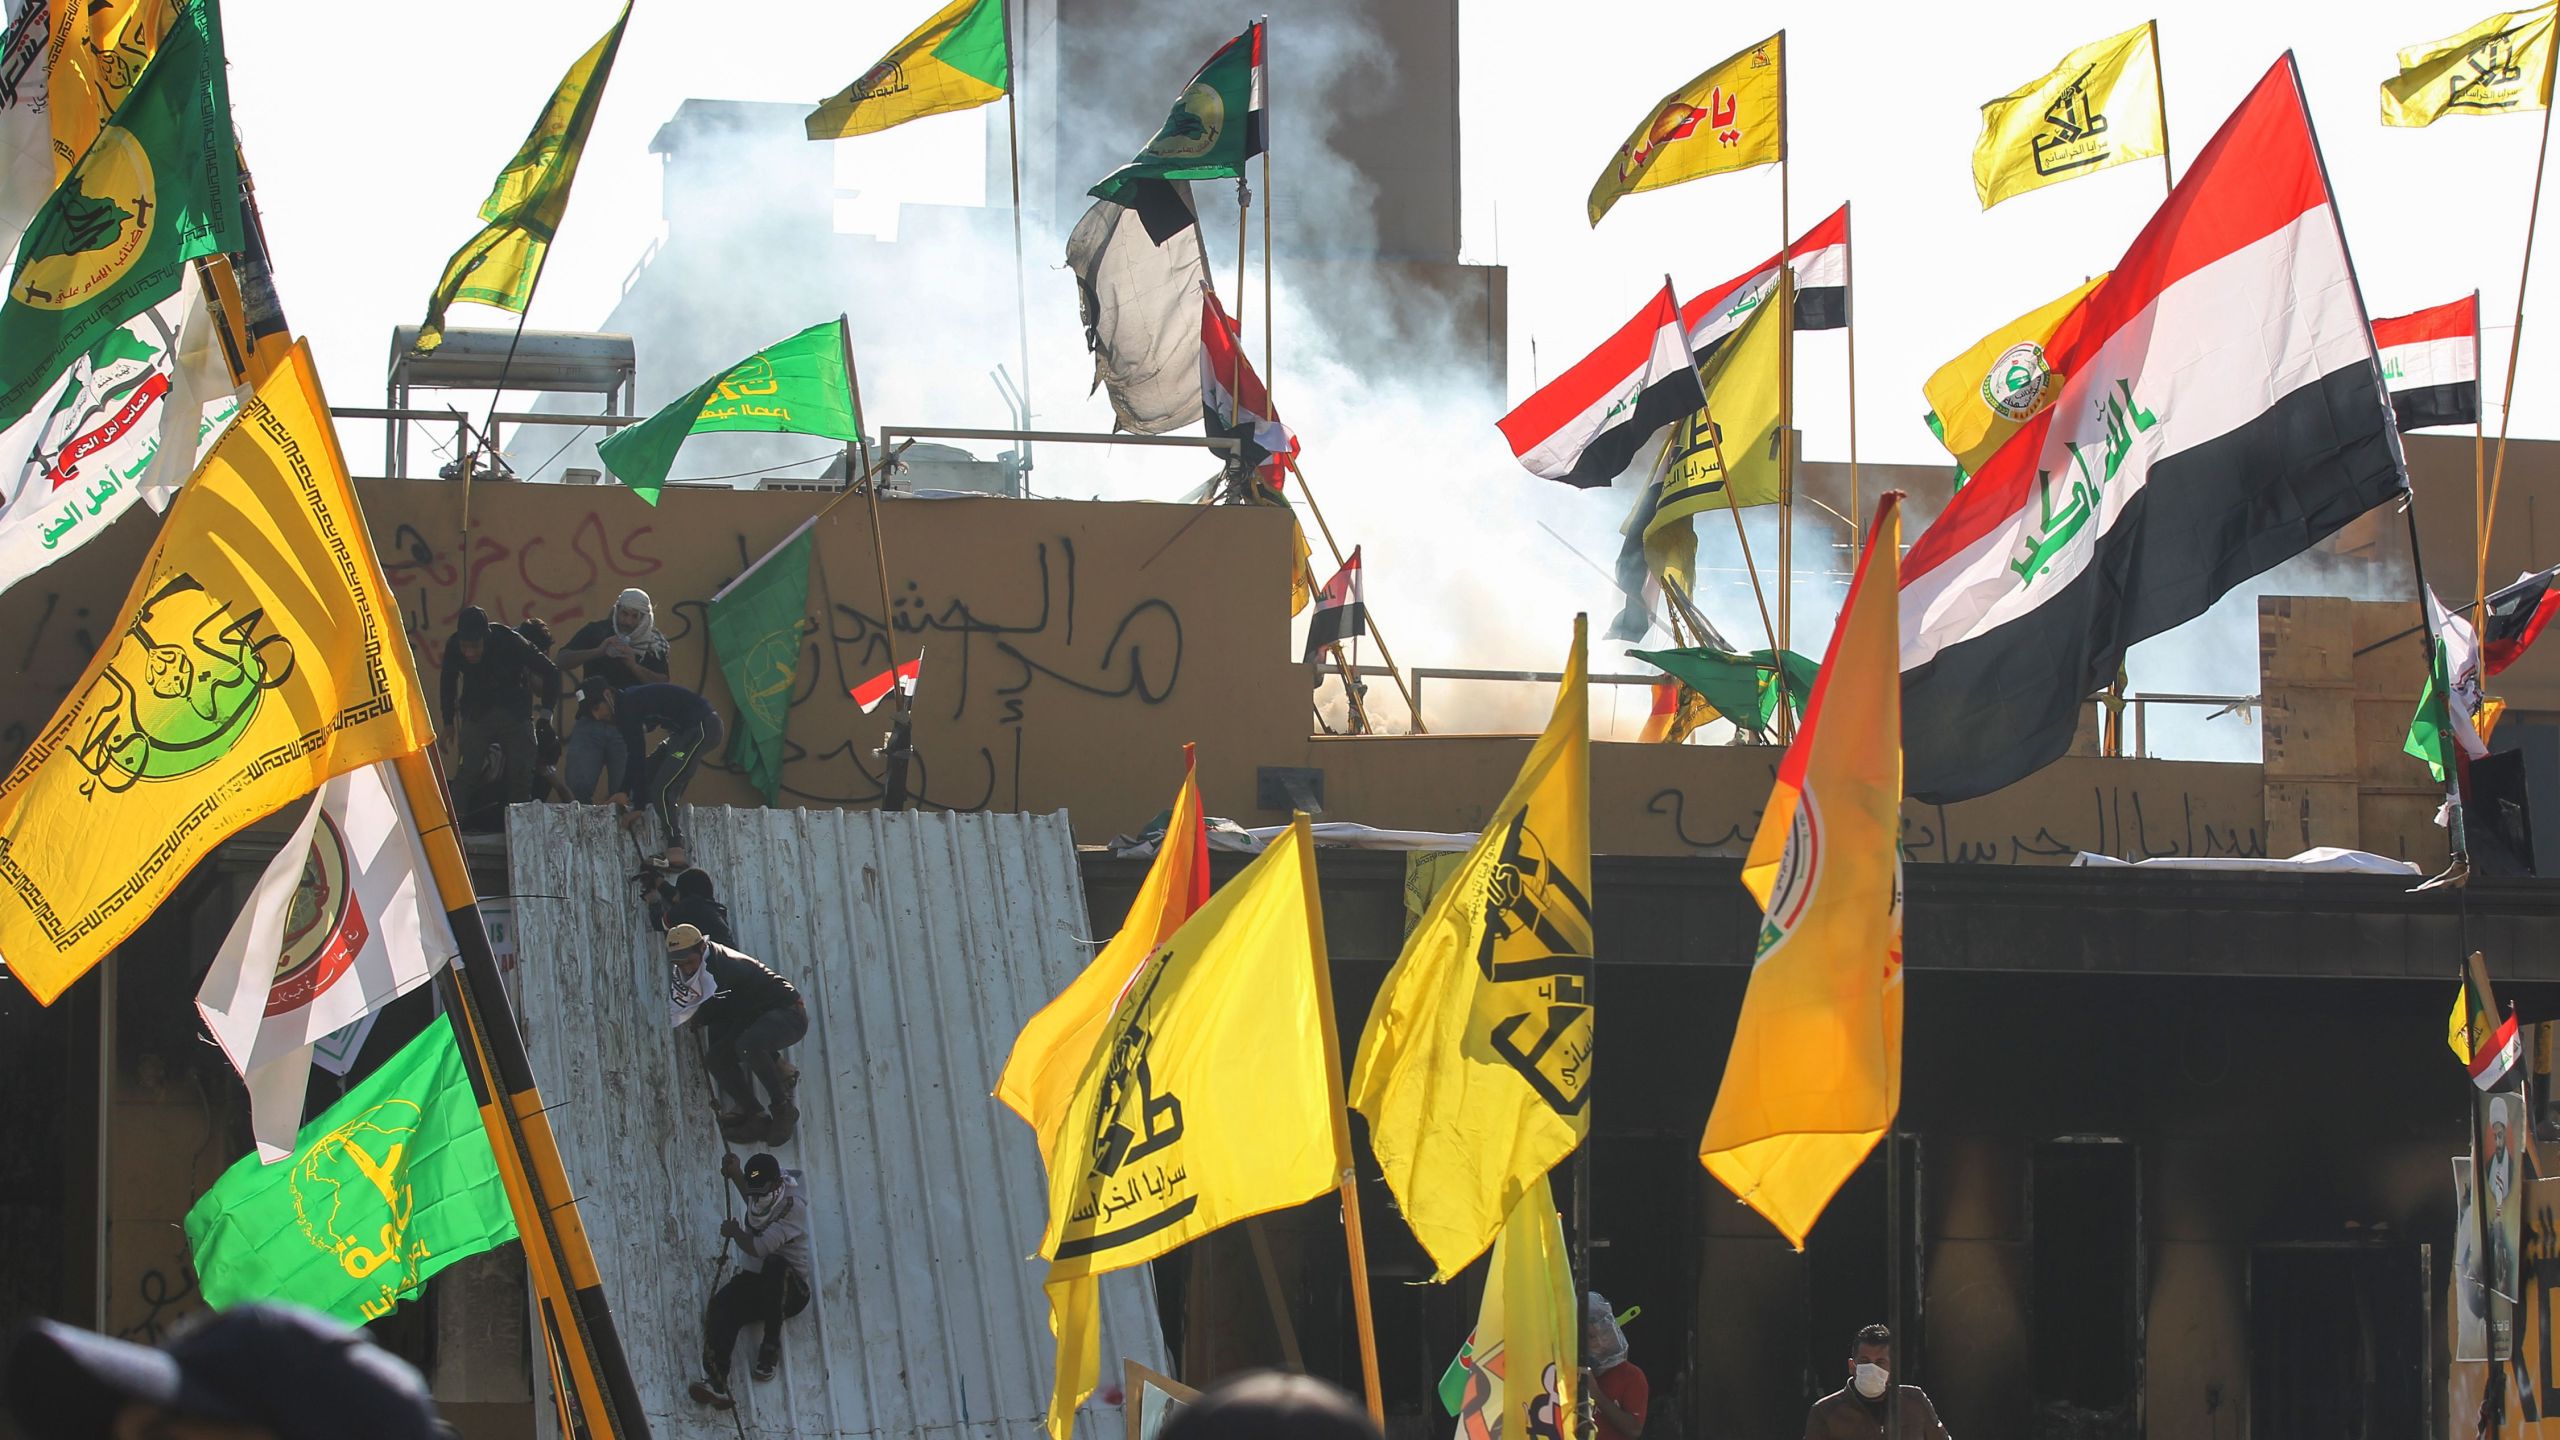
<point x="1384" y="653"/>
<point x="1715" y="446"/>
<point x="1849" y="299"/>
<point x="902" y="722"/>
<point x="1786" y="412"/>
<point x="1021" y="287"/>
<point x="2160" y="97"/>
<point x="1348" y="1179"/>
<point x="1268" y="362"/>
<point x="2515" y="341"/>
<point x="2479" y="476"/>
<point x="1235" y="380"/>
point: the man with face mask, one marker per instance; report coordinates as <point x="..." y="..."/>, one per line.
<point x="1619" y="1394"/>
<point x="1860" y="1409"/>
<point x="623" y="649"/>
<point x="772" y="1283"/>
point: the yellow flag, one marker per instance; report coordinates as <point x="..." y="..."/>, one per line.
<point x="96" y="50"/>
<point x="1213" y="1094"/>
<point x="1741" y="419"/>
<point x="1475" y="1066"/>
<point x="498" y="266"/>
<point x="2100" y="107"/>
<point x="1980" y="398"/>
<point x="954" y="61"/>
<point x="1815" y="1074"/>
<point x="2499" y="66"/>
<point x="1049" y="1055"/>
<point x="258" y="653"/>
<point x="1730" y="118"/>
<point x="1521" y="1368"/>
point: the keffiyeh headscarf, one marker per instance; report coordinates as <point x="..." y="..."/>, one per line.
<point x="643" y="637"/>
<point x="1601" y="1337"/>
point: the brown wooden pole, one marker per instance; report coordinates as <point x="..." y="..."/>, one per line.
<point x="1348" y="1181"/>
<point x="1384" y="653"/>
<point x="2160" y="97"/>
<point x="2515" y="341"/>
<point x="1786" y="412"/>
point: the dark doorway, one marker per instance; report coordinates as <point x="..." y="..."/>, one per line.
<point x="1644" y="1255"/>
<point x="2087" y="1215"/>
<point x="2338" y="1346"/>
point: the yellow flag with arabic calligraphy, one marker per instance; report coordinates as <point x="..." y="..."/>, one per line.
<point x="2099" y="108"/>
<point x="1211" y="1096"/>
<point x="257" y="655"/>
<point x="1815" y="1074"/>
<point x="1475" y="1067"/>
<point x="1730" y="118"/>
<point x="2500" y="66"/>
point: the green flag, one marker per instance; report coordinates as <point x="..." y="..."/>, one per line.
<point x="157" y="188"/>
<point x="756" y="624"/>
<point x="955" y="60"/>
<point x="390" y="1185"/>
<point x="1216" y="124"/>
<point x="796" y="385"/>
<point x="1741" y="687"/>
<point x="499" y="266"/>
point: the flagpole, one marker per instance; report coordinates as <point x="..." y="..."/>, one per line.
<point x="1347" y="1178"/>
<point x="1021" y="289"/>
<point x="2160" y="98"/>
<point x="1384" y="652"/>
<point x="1715" y="447"/>
<point x="1267" y="362"/>
<point x="1786" y="414"/>
<point x="1849" y="298"/>
<point x="2515" y="341"/>
<point x="893" y="784"/>
<point x="2479" y="478"/>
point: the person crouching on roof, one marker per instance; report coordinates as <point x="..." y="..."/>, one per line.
<point x="773" y="1280"/>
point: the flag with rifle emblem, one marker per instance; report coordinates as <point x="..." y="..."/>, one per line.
<point x="160" y="186"/>
<point x="1815" y="1075"/>
<point x="1167" y="1137"/>
<point x="1216" y="124"/>
<point x="954" y="61"/>
<point x="2099" y="108"/>
<point x="257" y="654"/>
<point x="1738" y="422"/>
<point x="1474" y="1069"/>
<point x="390" y="1185"/>
<point x="799" y="386"/>
<point x="757" y="623"/>
<point x="499" y="266"/>
<point x="1726" y="119"/>
<point x="2499" y="66"/>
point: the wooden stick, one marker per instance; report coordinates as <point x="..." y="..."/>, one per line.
<point x="1269" y="364"/>
<point x="2160" y="96"/>
<point x="1349" y="1180"/>
<point x="1849" y="297"/>
<point x="2479" y="478"/>
<point x="1715" y="446"/>
<point x="1786" y="414"/>
<point x="1021" y="290"/>
<point x="2515" y="342"/>
<point x="1384" y="653"/>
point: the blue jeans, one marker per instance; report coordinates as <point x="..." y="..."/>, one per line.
<point x="594" y="751"/>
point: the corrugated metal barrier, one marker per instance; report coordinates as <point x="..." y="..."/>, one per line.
<point x="920" y="943"/>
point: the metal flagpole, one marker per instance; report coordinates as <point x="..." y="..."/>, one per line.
<point x="1021" y="290"/>
<point x="1849" y="298"/>
<point x="1235" y="382"/>
<point x="900" y="747"/>
<point x="2160" y="97"/>
<point x="1268" y="364"/>
<point x="1348" y="1179"/>
<point x="1786" y="413"/>
<point x="2515" y="341"/>
<point x="2479" y="477"/>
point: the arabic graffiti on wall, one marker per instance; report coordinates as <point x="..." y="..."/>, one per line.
<point x="2121" y="821"/>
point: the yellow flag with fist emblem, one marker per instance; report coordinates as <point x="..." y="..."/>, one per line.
<point x="1475" y="1067"/>
<point x="258" y="654"/>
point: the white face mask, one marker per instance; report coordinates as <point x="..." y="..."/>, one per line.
<point x="1871" y="1381"/>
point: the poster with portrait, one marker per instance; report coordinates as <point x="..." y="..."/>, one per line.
<point x="2471" y="1309"/>
<point x="2501" y="1144"/>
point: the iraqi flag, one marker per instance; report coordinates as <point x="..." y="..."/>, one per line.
<point x="1585" y="425"/>
<point x="901" y="678"/>
<point x="1227" y="376"/>
<point x="2431" y="364"/>
<point x="343" y="922"/>
<point x="2515" y="619"/>
<point x="2221" y="410"/>
<point x="1339" y="613"/>
<point x="1820" y="262"/>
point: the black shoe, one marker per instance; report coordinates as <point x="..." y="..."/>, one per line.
<point x="744" y="1129"/>
<point x="768" y="1360"/>
<point x="786" y="1117"/>
<point x="712" y="1393"/>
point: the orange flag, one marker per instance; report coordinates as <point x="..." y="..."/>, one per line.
<point x="1049" y="1055"/>
<point x="1816" y="1070"/>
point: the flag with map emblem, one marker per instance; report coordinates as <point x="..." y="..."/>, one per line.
<point x="757" y="621"/>
<point x="1475" y="1067"/>
<point x="390" y="1185"/>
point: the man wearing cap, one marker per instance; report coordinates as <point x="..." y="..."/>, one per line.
<point x="654" y="780"/>
<point x="485" y="698"/>
<point x="774" y="1236"/>
<point x="621" y="650"/>
<point x="252" y="1372"/>
<point x="751" y="1014"/>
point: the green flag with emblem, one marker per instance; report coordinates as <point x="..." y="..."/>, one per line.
<point x="390" y="1185"/>
<point x="757" y="622"/>
<point x="1742" y="686"/>
<point x="159" y="187"/>
<point x="1216" y="124"/>
<point x="798" y="386"/>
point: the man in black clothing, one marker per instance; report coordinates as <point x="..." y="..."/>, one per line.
<point x="688" y="899"/>
<point x="485" y="697"/>
<point x="621" y="650"/>
<point x="752" y="1014"/>
<point x="654" y="780"/>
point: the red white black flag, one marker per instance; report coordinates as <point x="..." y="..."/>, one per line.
<point x="1820" y="262"/>
<point x="1225" y="376"/>
<point x="2220" y="410"/>
<point x="2515" y="619"/>
<point x="900" y="678"/>
<point x="2431" y="364"/>
<point x="1586" y="424"/>
<point x="1339" y="614"/>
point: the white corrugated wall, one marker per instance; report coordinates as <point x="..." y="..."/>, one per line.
<point x="920" y="943"/>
